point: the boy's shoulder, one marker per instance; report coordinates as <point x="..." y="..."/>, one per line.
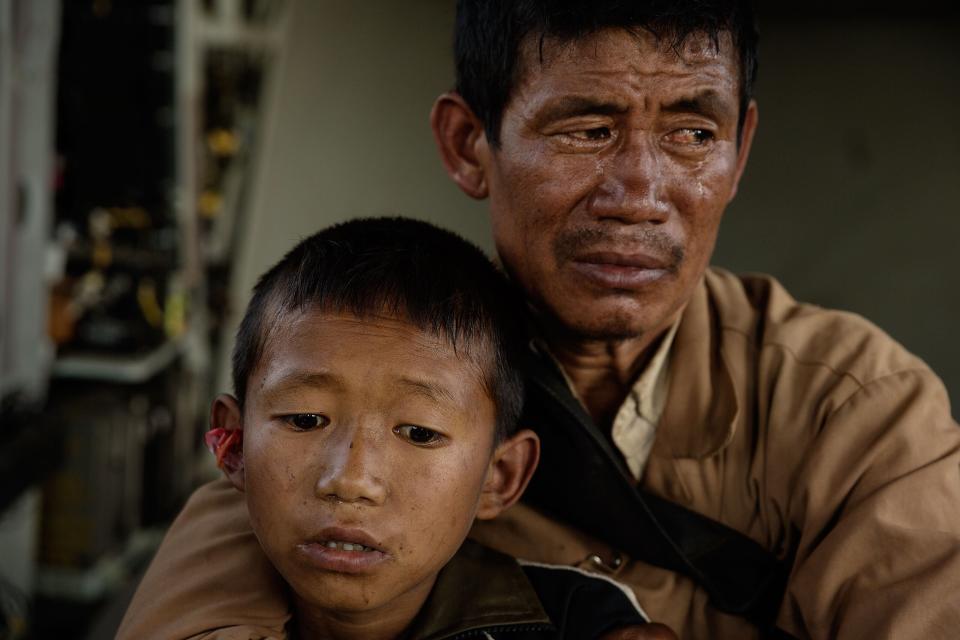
<point x="481" y="591"/>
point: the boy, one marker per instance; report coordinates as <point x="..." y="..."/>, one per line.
<point x="374" y="420"/>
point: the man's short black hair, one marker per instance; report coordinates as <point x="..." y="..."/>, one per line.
<point x="400" y="268"/>
<point x="489" y="33"/>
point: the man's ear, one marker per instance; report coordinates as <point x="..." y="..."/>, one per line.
<point x="750" y="119"/>
<point x="225" y="438"/>
<point x="462" y="143"/>
<point x="509" y="473"/>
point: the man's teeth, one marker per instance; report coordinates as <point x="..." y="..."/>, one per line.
<point x="346" y="546"/>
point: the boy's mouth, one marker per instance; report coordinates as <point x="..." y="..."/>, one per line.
<point x="346" y="546"/>
<point x="343" y="551"/>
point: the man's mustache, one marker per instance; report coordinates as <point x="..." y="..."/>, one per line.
<point x="574" y="243"/>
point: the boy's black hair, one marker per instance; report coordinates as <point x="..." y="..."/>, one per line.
<point x="403" y="268"/>
<point x="488" y="35"/>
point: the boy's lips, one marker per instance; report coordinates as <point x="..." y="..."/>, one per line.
<point x="343" y="550"/>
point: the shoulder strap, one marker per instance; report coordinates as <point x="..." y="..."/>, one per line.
<point x="581" y="604"/>
<point x="586" y="483"/>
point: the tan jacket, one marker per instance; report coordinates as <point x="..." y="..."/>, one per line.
<point x="809" y="430"/>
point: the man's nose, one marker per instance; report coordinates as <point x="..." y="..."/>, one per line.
<point x="351" y="463"/>
<point x="631" y="186"/>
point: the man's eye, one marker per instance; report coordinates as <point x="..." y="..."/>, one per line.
<point x="417" y="435"/>
<point x="597" y="133"/>
<point x="307" y="421"/>
<point x="692" y="137"/>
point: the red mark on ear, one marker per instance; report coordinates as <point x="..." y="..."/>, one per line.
<point x="224" y="444"/>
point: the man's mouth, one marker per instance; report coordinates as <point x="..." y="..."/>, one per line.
<point x="629" y="271"/>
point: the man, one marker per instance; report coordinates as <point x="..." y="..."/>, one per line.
<point x="609" y="137"/>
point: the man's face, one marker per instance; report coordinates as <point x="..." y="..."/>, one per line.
<point x="617" y="158"/>
<point x="366" y="446"/>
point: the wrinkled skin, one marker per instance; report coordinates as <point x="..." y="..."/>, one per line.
<point x="614" y="153"/>
<point x="616" y="159"/>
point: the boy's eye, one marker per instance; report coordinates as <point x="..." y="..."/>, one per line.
<point x="417" y="435"/>
<point x="307" y="421"/>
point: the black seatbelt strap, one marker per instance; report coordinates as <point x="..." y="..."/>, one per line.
<point x="587" y="484"/>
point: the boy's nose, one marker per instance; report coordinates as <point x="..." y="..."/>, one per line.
<point x="351" y="467"/>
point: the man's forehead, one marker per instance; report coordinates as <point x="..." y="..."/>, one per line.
<point x="643" y="50"/>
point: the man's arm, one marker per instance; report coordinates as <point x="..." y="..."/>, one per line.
<point x="209" y="579"/>
<point x="879" y="517"/>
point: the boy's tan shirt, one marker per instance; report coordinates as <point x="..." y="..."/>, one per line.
<point x="808" y="430"/>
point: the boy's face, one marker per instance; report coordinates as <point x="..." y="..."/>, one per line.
<point x="368" y="451"/>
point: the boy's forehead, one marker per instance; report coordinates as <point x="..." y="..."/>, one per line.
<point x="320" y="325"/>
<point x="316" y="339"/>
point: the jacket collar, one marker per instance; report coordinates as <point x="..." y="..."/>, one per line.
<point x="700" y="415"/>
<point x="478" y="589"/>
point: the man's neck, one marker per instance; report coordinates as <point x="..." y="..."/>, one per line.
<point x="602" y="372"/>
<point x="384" y="623"/>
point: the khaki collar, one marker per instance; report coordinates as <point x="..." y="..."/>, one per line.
<point x="700" y="415"/>
<point x="652" y="383"/>
<point x="479" y="588"/>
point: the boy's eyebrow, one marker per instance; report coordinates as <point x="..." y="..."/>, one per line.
<point x="429" y="389"/>
<point x="301" y="378"/>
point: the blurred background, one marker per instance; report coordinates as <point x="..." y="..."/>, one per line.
<point x="157" y="155"/>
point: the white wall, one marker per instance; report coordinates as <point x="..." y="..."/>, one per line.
<point x="349" y="134"/>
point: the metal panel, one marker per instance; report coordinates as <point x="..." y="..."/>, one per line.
<point x="7" y="182"/>
<point x="28" y="45"/>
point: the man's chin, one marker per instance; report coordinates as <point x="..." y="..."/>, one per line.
<point x="585" y="316"/>
<point x="609" y="334"/>
<point x="608" y="327"/>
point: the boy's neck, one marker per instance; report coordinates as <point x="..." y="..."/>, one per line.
<point x="387" y="622"/>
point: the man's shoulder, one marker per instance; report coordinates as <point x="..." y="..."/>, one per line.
<point x="758" y="310"/>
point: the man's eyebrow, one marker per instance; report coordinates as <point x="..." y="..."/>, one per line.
<point x="573" y="106"/>
<point x="709" y="103"/>
<point x="428" y="389"/>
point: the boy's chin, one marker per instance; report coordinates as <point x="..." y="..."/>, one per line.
<point x="356" y="594"/>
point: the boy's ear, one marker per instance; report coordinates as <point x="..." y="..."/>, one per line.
<point x="509" y="473"/>
<point x="225" y="438"/>
<point x="462" y="143"/>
